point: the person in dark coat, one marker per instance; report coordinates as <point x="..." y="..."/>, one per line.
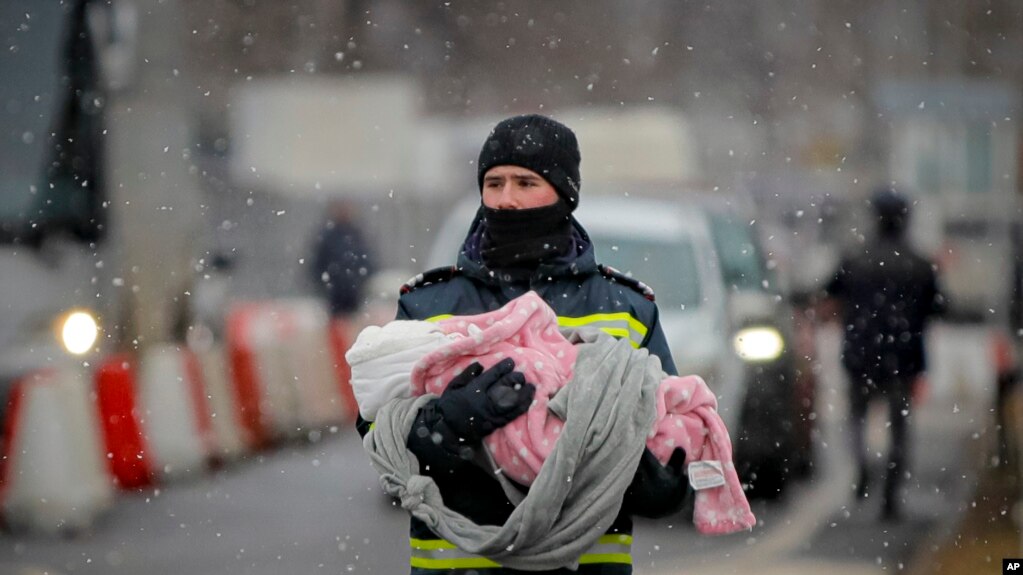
<point x="342" y="261"/>
<point x="524" y="238"/>
<point x="888" y="293"/>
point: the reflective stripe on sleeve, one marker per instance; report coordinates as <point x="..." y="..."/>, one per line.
<point x="440" y="554"/>
<point x="621" y="325"/>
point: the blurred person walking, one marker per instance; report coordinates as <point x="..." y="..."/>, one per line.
<point x="202" y="319"/>
<point x="888" y="293"/>
<point x="342" y="261"/>
<point x="524" y="238"/>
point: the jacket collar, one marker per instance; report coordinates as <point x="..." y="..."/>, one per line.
<point x="470" y="262"/>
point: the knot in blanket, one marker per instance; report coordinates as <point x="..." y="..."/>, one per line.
<point x="412" y="493"/>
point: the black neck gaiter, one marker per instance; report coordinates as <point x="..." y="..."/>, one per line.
<point x="526" y="238"/>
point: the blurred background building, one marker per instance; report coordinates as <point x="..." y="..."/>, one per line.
<point x="804" y="105"/>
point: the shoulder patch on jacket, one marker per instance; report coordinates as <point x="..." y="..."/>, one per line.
<point x="618" y="277"/>
<point x="434" y="276"/>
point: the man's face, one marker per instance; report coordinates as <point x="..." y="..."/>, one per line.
<point x="516" y="188"/>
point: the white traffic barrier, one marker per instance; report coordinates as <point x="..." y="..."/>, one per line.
<point x="175" y="418"/>
<point x="959" y="363"/>
<point x="223" y="405"/>
<point x="306" y="346"/>
<point x="54" y="478"/>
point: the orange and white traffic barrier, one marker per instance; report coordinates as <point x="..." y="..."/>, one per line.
<point x="174" y="414"/>
<point x="262" y="380"/>
<point x="54" y="477"/>
<point x="245" y="376"/>
<point x="339" y="335"/>
<point x="308" y="356"/>
<point x="225" y="415"/>
<point x="127" y="455"/>
<point x="1003" y="353"/>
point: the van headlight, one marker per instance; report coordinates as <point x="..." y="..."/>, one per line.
<point x="78" y="331"/>
<point x="756" y="344"/>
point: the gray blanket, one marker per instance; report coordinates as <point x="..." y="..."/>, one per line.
<point x="608" y="409"/>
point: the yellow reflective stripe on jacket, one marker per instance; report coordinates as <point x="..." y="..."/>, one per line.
<point x="441" y="554"/>
<point x="456" y="563"/>
<point x="615" y="548"/>
<point x="620" y="324"/>
<point x="598" y="558"/>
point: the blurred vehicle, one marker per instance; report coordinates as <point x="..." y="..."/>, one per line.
<point x="775" y="339"/>
<point x="672" y="251"/>
<point x="52" y="217"/>
<point x="719" y="310"/>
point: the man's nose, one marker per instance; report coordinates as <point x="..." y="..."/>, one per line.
<point x="506" y="201"/>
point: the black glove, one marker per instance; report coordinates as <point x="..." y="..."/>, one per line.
<point x="477" y="402"/>
<point x="658" y="490"/>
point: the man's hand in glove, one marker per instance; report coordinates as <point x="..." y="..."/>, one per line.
<point x="658" y="490"/>
<point x="477" y="402"/>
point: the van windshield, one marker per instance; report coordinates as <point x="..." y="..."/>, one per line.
<point x="667" y="267"/>
<point x="741" y="261"/>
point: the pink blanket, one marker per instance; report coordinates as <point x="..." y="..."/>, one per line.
<point x="526" y="329"/>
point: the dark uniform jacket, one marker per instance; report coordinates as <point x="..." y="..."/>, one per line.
<point x="581" y="293"/>
<point x="888" y="292"/>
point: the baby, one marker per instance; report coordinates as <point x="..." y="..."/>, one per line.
<point x="406" y="358"/>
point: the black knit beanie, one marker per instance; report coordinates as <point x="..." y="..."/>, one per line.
<point x="538" y="143"/>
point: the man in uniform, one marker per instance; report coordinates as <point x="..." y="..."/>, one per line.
<point x="888" y="293"/>
<point x="524" y="238"/>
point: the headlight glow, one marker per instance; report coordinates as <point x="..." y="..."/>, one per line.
<point x="78" y="332"/>
<point x="758" y="343"/>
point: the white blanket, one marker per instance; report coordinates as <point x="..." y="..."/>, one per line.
<point x="382" y="358"/>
